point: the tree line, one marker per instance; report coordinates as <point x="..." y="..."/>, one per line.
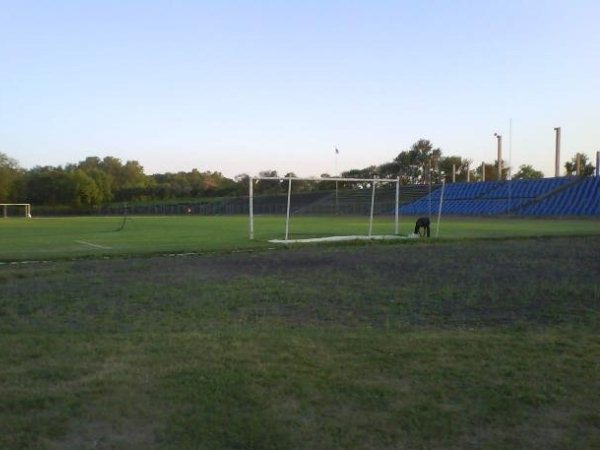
<point x="95" y="181"/>
<point x="422" y="163"/>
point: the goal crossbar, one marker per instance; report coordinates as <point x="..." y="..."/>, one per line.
<point x="373" y="181"/>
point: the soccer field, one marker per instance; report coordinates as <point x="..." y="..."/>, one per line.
<point x="55" y="238"/>
<point x="455" y="344"/>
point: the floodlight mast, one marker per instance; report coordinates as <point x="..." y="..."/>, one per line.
<point x="499" y="138"/>
<point x="557" y="153"/>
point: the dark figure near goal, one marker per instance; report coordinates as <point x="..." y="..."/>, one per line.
<point x="422" y="224"/>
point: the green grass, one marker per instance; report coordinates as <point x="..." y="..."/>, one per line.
<point x="488" y="344"/>
<point x="55" y="238"/>
<point x="300" y="389"/>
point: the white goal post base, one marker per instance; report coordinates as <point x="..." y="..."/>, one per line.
<point x="381" y="237"/>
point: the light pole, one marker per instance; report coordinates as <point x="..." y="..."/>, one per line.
<point x="337" y="211"/>
<point x="499" y="139"/>
<point x="557" y="153"/>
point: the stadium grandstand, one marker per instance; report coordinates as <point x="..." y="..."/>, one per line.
<point x="547" y="197"/>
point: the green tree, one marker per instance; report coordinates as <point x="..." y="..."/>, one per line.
<point x="242" y="182"/>
<point x="90" y="163"/>
<point x="586" y="168"/>
<point x="269" y="186"/>
<point x="491" y="171"/>
<point x="388" y="170"/>
<point x="112" y="167"/>
<point x="367" y="172"/>
<point x="10" y="173"/>
<point x="132" y="175"/>
<point x="85" y="190"/>
<point x="461" y="164"/>
<point x="102" y="182"/>
<point x="527" y="172"/>
<point x="50" y="186"/>
<point x="415" y="163"/>
<point x="325" y="185"/>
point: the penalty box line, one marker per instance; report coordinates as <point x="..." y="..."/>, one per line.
<point x="94" y="245"/>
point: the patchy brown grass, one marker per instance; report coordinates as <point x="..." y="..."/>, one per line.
<point x="481" y="344"/>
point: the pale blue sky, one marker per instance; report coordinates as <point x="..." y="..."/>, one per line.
<point x="240" y="86"/>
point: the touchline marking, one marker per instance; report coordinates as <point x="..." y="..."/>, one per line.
<point x="93" y="245"/>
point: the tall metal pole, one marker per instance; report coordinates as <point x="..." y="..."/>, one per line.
<point x="483" y="171"/>
<point x="578" y="165"/>
<point x="251" y="206"/>
<point x="429" y="173"/>
<point x="598" y="164"/>
<point x="499" y="139"/>
<point x="557" y="153"/>
<point x="372" y="209"/>
<point x="396" y="230"/>
<point x="437" y="229"/>
<point x="509" y="174"/>
<point x="336" y="183"/>
<point x="287" y="216"/>
<point x="454" y="173"/>
<point x="468" y="173"/>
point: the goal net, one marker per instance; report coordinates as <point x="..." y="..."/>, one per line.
<point x="324" y="209"/>
<point x="16" y="210"/>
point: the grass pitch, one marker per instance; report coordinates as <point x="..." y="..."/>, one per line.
<point x="56" y="238"/>
<point x="455" y="344"/>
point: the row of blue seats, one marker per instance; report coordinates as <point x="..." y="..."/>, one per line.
<point x="527" y="188"/>
<point x="465" y="207"/>
<point x="501" y="189"/>
<point x="583" y="199"/>
<point x="464" y="191"/>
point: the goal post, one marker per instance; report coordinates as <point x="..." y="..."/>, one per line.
<point x="6" y="207"/>
<point x="359" y="199"/>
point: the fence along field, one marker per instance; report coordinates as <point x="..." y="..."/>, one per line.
<point x="50" y="238"/>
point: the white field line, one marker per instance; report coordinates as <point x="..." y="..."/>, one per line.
<point x="93" y="245"/>
<point x="340" y="238"/>
<point x="115" y="217"/>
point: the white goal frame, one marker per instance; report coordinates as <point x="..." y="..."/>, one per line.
<point x="6" y="205"/>
<point x="373" y="181"/>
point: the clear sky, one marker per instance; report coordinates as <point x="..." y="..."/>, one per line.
<point x="242" y="86"/>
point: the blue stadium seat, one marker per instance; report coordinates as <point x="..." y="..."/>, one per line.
<point x="575" y="197"/>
